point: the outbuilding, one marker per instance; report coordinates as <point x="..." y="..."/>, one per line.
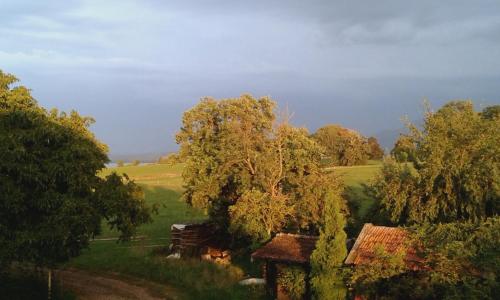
<point x="285" y="250"/>
<point x="392" y="239"/>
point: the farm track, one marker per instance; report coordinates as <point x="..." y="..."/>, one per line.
<point x="111" y="286"/>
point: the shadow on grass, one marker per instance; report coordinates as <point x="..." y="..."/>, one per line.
<point x="360" y="205"/>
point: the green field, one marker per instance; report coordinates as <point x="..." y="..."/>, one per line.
<point x="191" y="279"/>
<point x="360" y="204"/>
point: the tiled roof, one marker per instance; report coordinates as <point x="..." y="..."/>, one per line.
<point x="288" y="248"/>
<point x="392" y="239"/>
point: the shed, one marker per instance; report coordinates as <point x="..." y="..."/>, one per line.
<point x="283" y="250"/>
<point x="392" y="239"/>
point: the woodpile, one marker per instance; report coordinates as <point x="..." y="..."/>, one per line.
<point x="191" y="239"/>
<point x="217" y="255"/>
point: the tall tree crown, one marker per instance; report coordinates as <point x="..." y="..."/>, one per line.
<point x="454" y="170"/>
<point x="254" y="175"/>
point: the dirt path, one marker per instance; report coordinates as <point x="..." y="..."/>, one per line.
<point x="90" y="286"/>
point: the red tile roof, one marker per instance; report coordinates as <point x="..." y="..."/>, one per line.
<point x="288" y="248"/>
<point x="392" y="239"/>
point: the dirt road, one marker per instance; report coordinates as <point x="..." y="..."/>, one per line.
<point x="90" y="286"/>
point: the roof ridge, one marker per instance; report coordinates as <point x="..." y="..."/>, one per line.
<point x="351" y="256"/>
<point x="390" y="227"/>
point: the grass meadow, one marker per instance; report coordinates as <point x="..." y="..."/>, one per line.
<point x="355" y="178"/>
<point x="186" y="279"/>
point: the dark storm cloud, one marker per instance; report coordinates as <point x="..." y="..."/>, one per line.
<point x="137" y="65"/>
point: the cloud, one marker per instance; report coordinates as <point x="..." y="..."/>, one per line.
<point x="355" y="62"/>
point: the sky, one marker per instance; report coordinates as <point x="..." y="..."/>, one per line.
<point x="136" y="66"/>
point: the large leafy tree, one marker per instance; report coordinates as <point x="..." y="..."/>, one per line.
<point x="375" y="151"/>
<point x="454" y="170"/>
<point x="252" y="175"/>
<point x="52" y="200"/>
<point x="344" y="147"/>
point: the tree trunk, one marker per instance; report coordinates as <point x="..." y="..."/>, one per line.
<point x="49" y="284"/>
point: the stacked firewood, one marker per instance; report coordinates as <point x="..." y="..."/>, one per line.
<point x="189" y="239"/>
<point x="217" y="255"/>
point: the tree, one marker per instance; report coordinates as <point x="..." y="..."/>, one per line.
<point x="326" y="261"/>
<point x="120" y="163"/>
<point x="375" y="151"/>
<point x="344" y="147"/>
<point x="394" y="188"/>
<point x="454" y="172"/>
<point x="170" y="159"/>
<point x="376" y="278"/>
<point x="491" y="112"/>
<point x="293" y="280"/>
<point x="404" y="149"/>
<point x="253" y="176"/>
<point x="135" y="162"/>
<point x="463" y="258"/>
<point x="51" y="199"/>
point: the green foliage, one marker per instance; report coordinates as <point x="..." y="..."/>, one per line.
<point x="491" y="112"/>
<point x="456" y="172"/>
<point x="124" y="208"/>
<point x="170" y="159"/>
<point x="252" y="175"/>
<point x="345" y="147"/>
<point x="120" y="163"/>
<point x="135" y="162"/>
<point x="461" y="261"/>
<point x="326" y="261"/>
<point x="293" y="281"/>
<point x="452" y="176"/>
<point x="404" y="149"/>
<point x="258" y="214"/>
<point x="51" y="199"/>
<point x="395" y="186"/>
<point x="462" y="251"/>
<point x="367" y="278"/>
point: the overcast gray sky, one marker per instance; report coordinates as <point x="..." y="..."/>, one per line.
<point x="135" y="66"/>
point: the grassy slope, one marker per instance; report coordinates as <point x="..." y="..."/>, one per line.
<point x="163" y="185"/>
<point x="354" y="178"/>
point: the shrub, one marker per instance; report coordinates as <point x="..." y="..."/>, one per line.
<point x="293" y="281"/>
